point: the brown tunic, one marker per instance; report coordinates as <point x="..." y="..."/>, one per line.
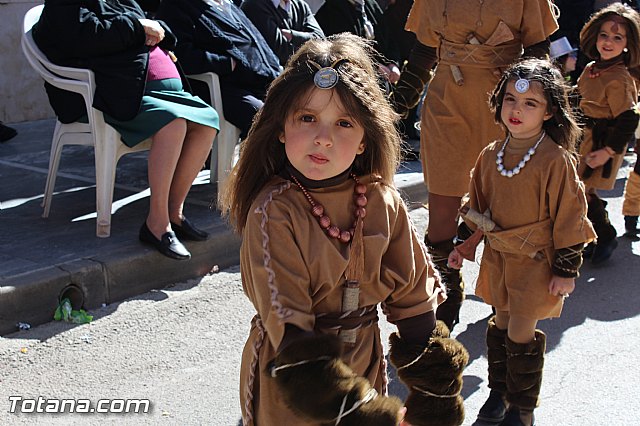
<point x="548" y="190"/>
<point x="292" y="271"/>
<point x="607" y="96"/>
<point x="456" y="122"/>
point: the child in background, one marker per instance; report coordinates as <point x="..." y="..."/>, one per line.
<point x="564" y="55"/>
<point x="631" y="203"/>
<point x="529" y="186"/>
<point x="326" y="238"/>
<point x="609" y="91"/>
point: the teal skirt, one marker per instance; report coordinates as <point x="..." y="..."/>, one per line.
<point x="163" y="101"/>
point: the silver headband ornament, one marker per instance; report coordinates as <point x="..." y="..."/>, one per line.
<point x="522" y="85"/>
<point x="326" y="77"/>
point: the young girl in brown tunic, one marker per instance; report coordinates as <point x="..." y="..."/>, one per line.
<point x="326" y="239"/>
<point x="609" y="94"/>
<point x="528" y="186"/>
<point x="471" y="42"/>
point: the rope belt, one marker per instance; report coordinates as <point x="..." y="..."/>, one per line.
<point x="353" y="320"/>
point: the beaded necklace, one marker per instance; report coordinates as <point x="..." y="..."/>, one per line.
<point x="511" y="173"/>
<point x="317" y="210"/>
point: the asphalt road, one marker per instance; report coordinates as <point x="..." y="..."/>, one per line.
<point x="180" y="349"/>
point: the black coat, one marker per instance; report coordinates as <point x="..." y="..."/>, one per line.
<point x="269" y="20"/>
<point x="208" y="38"/>
<point x="105" y="37"/>
<point x="340" y="16"/>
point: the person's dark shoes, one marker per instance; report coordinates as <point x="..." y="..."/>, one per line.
<point x="6" y="133"/>
<point x="188" y="231"/>
<point x="494" y="409"/>
<point x="516" y="417"/>
<point x="603" y="251"/>
<point x="631" y="227"/>
<point x="168" y="244"/>
<point x="588" y="250"/>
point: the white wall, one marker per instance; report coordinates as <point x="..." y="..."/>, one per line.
<point x="22" y="96"/>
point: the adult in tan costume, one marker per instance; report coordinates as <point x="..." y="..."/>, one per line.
<point x="609" y="93"/>
<point x="471" y="42"/>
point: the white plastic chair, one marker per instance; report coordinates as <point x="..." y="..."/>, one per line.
<point x="228" y="136"/>
<point x="105" y="140"/>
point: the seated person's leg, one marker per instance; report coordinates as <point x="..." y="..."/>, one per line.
<point x="240" y="105"/>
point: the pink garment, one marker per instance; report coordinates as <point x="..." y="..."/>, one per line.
<point x="161" y="66"/>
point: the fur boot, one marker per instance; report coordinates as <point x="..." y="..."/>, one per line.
<point x="607" y="242"/>
<point x="525" y="362"/>
<point x="433" y="375"/>
<point x="317" y="385"/>
<point x="495" y="407"/>
<point x="449" y="310"/>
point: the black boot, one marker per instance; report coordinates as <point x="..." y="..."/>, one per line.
<point x="525" y="362"/>
<point x="607" y="241"/>
<point x="631" y="227"/>
<point x="495" y="407"/>
<point x="449" y="310"/>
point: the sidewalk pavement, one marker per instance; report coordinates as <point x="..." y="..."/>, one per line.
<point x="42" y="259"/>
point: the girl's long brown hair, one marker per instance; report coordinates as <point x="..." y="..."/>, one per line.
<point x="262" y="155"/>
<point x="562" y="126"/>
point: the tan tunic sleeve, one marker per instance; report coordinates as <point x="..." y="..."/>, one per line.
<point x="419" y="21"/>
<point x="274" y="274"/>
<point x="406" y="271"/>
<point x="567" y="204"/>
<point x="538" y="21"/>
<point x="621" y="95"/>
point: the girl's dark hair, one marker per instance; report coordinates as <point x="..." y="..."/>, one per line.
<point x="263" y="156"/>
<point x="562" y="126"/>
<point x="590" y="31"/>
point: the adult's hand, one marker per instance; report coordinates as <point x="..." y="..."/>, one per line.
<point x="286" y="34"/>
<point x="153" y="30"/>
<point x="390" y="71"/>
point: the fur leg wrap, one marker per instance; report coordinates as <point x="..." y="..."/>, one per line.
<point x="449" y="310"/>
<point x="497" y="357"/>
<point x="319" y="387"/>
<point x="599" y="217"/>
<point x="433" y="375"/>
<point x="525" y="362"/>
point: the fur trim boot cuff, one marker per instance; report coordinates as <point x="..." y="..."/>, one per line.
<point x="433" y="375"/>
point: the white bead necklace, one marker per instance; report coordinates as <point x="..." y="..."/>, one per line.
<point x="511" y="173"/>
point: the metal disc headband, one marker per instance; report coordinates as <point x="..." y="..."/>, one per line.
<point x="522" y="85"/>
<point x="326" y="77"/>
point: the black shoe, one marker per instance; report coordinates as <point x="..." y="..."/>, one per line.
<point x="513" y="418"/>
<point x="188" y="231"/>
<point x="603" y="251"/>
<point x="631" y="227"/>
<point x="494" y="408"/>
<point x="587" y="252"/>
<point x="6" y="133"/>
<point x="168" y="244"/>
